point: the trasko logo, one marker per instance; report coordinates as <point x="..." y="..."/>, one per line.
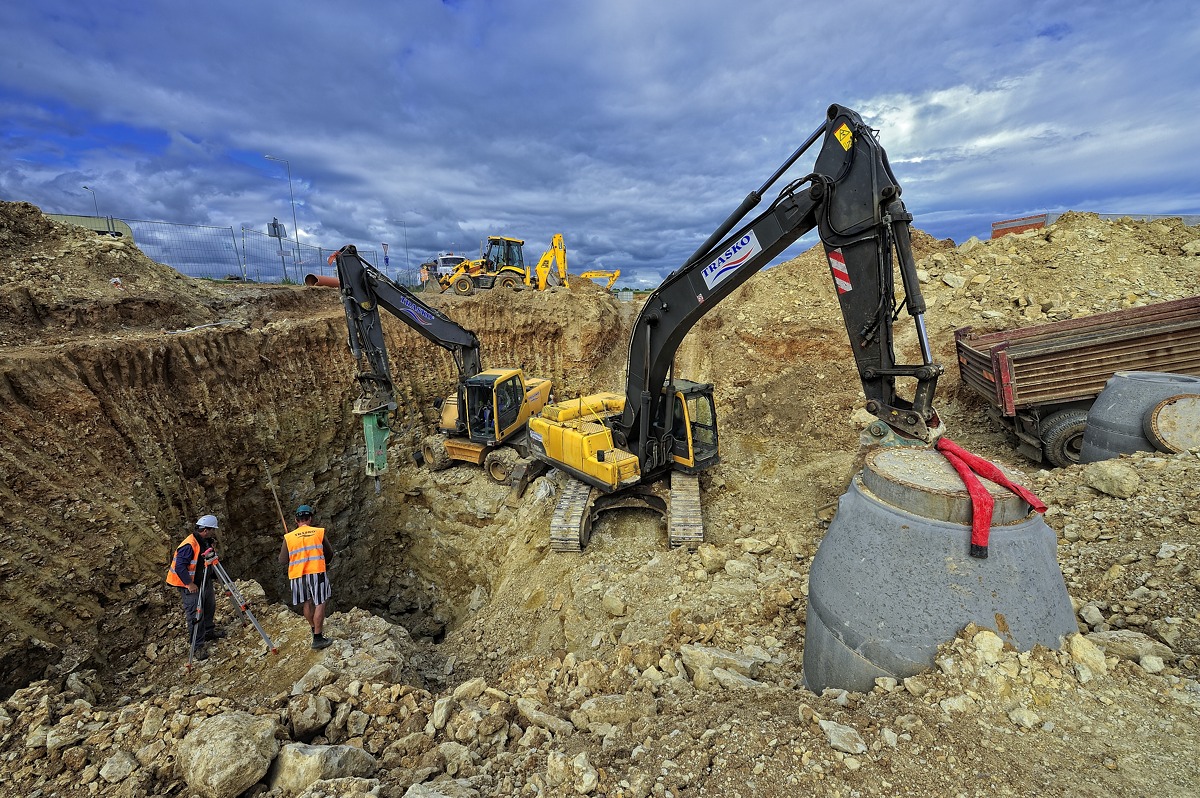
<point x="738" y="253"/>
<point x="418" y="313"/>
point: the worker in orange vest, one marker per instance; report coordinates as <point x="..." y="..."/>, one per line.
<point x="307" y="552"/>
<point x="186" y="572"/>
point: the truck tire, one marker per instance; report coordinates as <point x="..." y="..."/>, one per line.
<point x="508" y="281"/>
<point x="1062" y="437"/>
<point x="463" y="285"/>
<point x="499" y="464"/>
<point x="433" y="451"/>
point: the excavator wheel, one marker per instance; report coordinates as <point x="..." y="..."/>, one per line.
<point x="433" y="451"/>
<point x="508" y="281"/>
<point x="500" y="463"/>
<point x="463" y="285"/>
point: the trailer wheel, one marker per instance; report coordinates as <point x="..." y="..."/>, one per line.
<point x="1062" y="437"/>
<point x="464" y="286"/>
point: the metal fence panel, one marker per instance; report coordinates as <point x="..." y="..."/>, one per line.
<point x="221" y="253"/>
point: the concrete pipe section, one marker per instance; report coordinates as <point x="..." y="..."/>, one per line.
<point x="893" y="577"/>
<point x="1135" y="413"/>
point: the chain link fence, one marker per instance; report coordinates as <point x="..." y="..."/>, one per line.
<point x="223" y="253"/>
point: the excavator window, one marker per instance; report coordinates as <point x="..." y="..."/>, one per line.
<point x="679" y="430"/>
<point x="508" y="401"/>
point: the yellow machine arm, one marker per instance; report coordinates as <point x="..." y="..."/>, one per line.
<point x="600" y="274"/>
<point x="555" y="257"/>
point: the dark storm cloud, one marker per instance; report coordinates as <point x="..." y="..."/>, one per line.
<point x="632" y="128"/>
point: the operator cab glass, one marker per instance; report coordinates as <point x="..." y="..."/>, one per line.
<point x="694" y="426"/>
<point x="481" y="408"/>
<point x="493" y="405"/>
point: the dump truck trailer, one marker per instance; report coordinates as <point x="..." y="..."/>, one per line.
<point x="1040" y="381"/>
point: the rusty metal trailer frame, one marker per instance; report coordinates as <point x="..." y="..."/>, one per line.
<point x="1030" y="375"/>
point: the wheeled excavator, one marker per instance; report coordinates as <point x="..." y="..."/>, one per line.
<point x="647" y="446"/>
<point x="482" y="422"/>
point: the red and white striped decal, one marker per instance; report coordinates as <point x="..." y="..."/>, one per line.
<point x="841" y="276"/>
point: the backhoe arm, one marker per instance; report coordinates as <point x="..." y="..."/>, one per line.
<point x="853" y="200"/>
<point x="555" y="257"/>
<point x="364" y="290"/>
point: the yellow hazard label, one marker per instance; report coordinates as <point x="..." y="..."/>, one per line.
<point x="844" y="136"/>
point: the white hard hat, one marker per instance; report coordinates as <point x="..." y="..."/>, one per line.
<point x="209" y="521"/>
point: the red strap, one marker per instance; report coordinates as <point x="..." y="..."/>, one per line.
<point x="970" y="467"/>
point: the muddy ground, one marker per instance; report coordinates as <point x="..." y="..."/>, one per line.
<point x="130" y="408"/>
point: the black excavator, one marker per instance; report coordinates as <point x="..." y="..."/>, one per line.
<point x="489" y="407"/>
<point x="621" y="448"/>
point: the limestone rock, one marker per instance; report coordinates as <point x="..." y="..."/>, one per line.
<point x="309" y="714"/>
<point x="299" y="765"/>
<point x="1130" y="644"/>
<point x="225" y="754"/>
<point x="843" y="738"/>
<point x="1112" y="477"/>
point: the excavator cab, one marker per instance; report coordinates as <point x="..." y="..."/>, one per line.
<point x="694" y="427"/>
<point x="495" y="401"/>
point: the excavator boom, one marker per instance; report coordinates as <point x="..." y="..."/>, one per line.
<point x="554" y="258"/>
<point x="853" y="200"/>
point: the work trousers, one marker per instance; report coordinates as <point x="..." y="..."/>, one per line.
<point x="208" y="607"/>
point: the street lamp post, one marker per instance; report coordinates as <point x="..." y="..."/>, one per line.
<point x="292" y="197"/>
<point x="94" y="202"/>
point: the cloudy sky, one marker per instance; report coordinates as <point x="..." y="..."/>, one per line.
<point x="632" y="127"/>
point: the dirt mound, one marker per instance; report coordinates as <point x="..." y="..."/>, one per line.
<point x="471" y="660"/>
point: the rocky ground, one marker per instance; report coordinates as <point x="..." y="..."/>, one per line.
<point x="472" y="661"/>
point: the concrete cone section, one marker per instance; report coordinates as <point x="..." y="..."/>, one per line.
<point x="1123" y="417"/>
<point x="893" y="578"/>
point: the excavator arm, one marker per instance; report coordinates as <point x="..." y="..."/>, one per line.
<point x="853" y="200"/>
<point x="602" y="274"/>
<point x="554" y="258"/>
<point x="364" y="290"/>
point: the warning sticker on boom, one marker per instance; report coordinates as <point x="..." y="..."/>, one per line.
<point x="844" y="136"/>
<point x="841" y="275"/>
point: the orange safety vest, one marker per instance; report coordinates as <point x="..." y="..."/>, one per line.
<point x="172" y="577"/>
<point x="306" y="551"/>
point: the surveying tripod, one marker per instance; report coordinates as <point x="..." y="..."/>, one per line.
<point x="213" y="563"/>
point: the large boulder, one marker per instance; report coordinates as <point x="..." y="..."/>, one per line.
<point x="224" y="755"/>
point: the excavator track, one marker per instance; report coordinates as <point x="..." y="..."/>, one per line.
<point x="571" y="525"/>
<point x="685" y="521"/>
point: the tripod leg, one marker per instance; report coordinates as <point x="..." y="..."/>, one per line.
<point x="231" y="588"/>
<point x="197" y="619"/>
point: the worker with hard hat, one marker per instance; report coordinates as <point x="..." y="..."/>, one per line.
<point x="306" y="552"/>
<point x="186" y="572"/>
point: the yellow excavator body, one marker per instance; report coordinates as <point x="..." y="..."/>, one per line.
<point x="573" y="433"/>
